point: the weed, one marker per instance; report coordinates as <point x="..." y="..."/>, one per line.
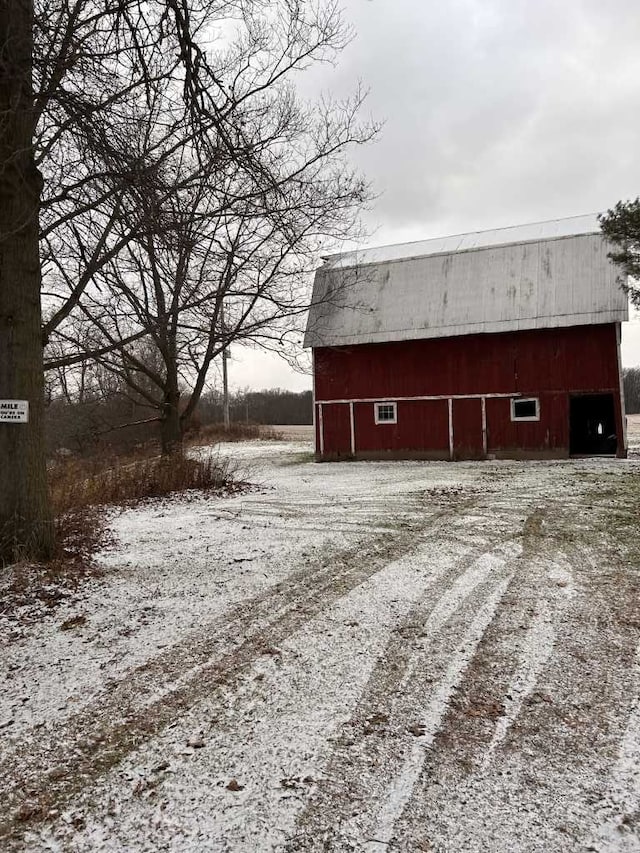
<point x="215" y="433"/>
<point x="79" y="483"/>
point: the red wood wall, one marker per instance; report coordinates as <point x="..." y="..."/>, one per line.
<point x="549" y="364"/>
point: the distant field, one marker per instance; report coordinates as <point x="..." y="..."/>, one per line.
<point x="295" y="432"/>
<point x="633" y="434"/>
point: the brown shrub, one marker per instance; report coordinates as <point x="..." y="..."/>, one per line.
<point x="102" y="481"/>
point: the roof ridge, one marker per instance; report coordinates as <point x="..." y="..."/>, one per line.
<point x="460" y="235"/>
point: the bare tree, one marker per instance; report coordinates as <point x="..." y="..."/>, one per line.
<point x="631" y="378"/>
<point x="90" y="61"/>
<point x="213" y="77"/>
<point x="111" y="116"/>
<point x="214" y="267"/>
<point x="221" y="247"/>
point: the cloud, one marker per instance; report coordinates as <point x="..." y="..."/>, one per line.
<point x="496" y="112"/>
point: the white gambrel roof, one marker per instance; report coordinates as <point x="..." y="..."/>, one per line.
<point x="544" y="275"/>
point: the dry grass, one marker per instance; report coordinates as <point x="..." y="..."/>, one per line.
<point x="215" y="433"/>
<point x="105" y="481"/>
<point x="81" y="490"/>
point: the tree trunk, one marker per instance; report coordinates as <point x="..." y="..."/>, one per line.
<point x="170" y="424"/>
<point x="25" y="519"/>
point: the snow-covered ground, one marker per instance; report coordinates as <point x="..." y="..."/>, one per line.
<point x="358" y="656"/>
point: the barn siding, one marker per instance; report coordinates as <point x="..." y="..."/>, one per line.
<point x="580" y="358"/>
<point x="550" y="433"/>
<point x="336" y="429"/>
<point x="467" y="429"/>
<point x="549" y="364"/>
<point x="421" y="424"/>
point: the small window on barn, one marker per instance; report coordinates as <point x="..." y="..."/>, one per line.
<point x="385" y="413"/>
<point x="525" y="409"/>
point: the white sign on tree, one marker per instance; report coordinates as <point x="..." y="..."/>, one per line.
<point x="14" y="411"/>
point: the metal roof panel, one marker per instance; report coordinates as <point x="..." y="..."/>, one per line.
<point x="548" y="277"/>
<point x="532" y="232"/>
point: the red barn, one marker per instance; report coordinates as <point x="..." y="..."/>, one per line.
<point x="495" y="344"/>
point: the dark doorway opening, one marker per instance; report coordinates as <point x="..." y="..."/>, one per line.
<point x="592" y="425"/>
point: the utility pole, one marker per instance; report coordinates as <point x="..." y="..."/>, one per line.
<point x="225" y="390"/>
<point x="225" y="378"/>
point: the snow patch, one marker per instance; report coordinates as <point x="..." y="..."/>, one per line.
<point x="620" y="809"/>
<point x="402" y="787"/>
<point x="535" y="650"/>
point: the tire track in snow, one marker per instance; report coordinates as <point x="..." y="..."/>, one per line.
<point x="537" y="790"/>
<point x="535" y="650"/>
<point x="619" y="831"/>
<point x="91" y="742"/>
<point x="410" y="687"/>
<point x="461" y="589"/>
<point x="354" y="514"/>
<point x="452" y="804"/>
<point x="402" y="787"/>
<point x="285" y="709"/>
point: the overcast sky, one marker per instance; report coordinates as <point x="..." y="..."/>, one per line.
<point x="496" y="113"/>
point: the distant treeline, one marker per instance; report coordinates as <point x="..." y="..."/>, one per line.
<point x="273" y="406"/>
<point x="114" y="419"/>
<point x="631" y="380"/>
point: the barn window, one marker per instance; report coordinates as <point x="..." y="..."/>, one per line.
<point x="385" y="413"/>
<point x="525" y="409"/>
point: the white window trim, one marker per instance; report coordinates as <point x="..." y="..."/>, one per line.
<point x="515" y="400"/>
<point x="393" y="420"/>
